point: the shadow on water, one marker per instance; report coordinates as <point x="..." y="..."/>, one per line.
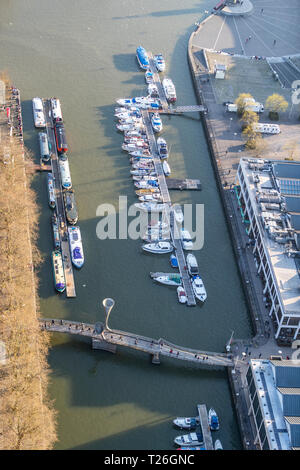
<point x="125" y="62"/>
<point x="30" y="132"/>
<point x="158" y="14"/>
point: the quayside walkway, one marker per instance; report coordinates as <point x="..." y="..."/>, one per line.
<point x="108" y="340"/>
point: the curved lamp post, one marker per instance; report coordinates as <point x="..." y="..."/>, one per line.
<point x="108" y="305"/>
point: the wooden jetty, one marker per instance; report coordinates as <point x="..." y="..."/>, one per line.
<point x="60" y="207"/>
<point x="207" y="439"/>
<point x="181" y="184"/>
<point x="42" y="167"/>
<point x="168" y="214"/>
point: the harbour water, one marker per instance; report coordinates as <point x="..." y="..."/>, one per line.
<point x="84" y="53"/>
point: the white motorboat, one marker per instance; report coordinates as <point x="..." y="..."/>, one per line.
<point x="169" y="89"/>
<point x="183" y="300"/>
<point x="192" y="439"/>
<point x="198" y="288"/>
<point x="38" y="112"/>
<point x="143" y="172"/>
<point x="130" y="126"/>
<point x="76" y="246"/>
<point x="158" y="231"/>
<point x="138" y="102"/>
<point x="162" y="148"/>
<point x="218" y="445"/>
<point x="135" y="146"/>
<point x="143" y="102"/>
<point x="155" y="238"/>
<point x="44" y="146"/>
<point x="169" y="279"/>
<point x="186" y="240"/>
<point x="149" y="76"/>
<point x="151" y="207"/>
<point x="142" y="164"/>
<point x="213" y="420"/>
<point x="192" y="264"/>
<point x="186" y="423"/>
<point x="140" y="154"/>
<point x="135" y="122"/>
<point x="160" y="63"/>
<point x="146" y="184"/>
<point x="128" y="114"/>
<point x="150" y="198"/>
<point x="166" y="168"/>
<point x="144" y="178"/>
<point x="158" y="224"/>
<point x="56" y="109"/>
<point x="158" y="248"/>
<point x="156" y="122"/>
<point x="153" y="90"/>
<point x="178" y="214"/>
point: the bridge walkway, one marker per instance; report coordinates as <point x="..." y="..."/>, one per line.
<point x="141" y="343"/>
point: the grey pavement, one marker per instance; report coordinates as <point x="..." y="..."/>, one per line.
<point x="273" y="32"/>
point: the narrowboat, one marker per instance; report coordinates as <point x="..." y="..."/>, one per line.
<point x="55" y="229"/>
<point x="44" y="146"/>
<point x="70" y="207"/>
<point x="38" y="112"/>
<point x="60" y="137"/>
<point x="51" y="195"/>
<point x="58" y="271"/>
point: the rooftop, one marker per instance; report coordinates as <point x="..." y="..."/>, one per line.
<point x="264" y="373"/>
<point x="269" y="200"/>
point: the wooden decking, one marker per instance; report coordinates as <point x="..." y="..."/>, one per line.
<point x="207" y="439"/>
<point x="181" y="184"/>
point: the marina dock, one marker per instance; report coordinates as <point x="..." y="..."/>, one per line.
<point x="207" y="439"/>
<point x="65" y="249"/>
<point x="168" y="215"/>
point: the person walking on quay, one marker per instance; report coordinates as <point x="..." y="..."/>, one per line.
<point x="274" y="42"/>
<point x="262" y="10"/>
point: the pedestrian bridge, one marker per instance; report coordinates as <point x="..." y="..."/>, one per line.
<point x="108" y="340"/>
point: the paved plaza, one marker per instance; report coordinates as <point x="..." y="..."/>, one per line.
<point x="270" y="30"/>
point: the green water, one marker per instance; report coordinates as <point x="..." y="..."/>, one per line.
<point x="84" y="53"/>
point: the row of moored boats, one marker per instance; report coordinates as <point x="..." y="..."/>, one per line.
<point x="145" y="178"/>
<point x="58" y="228"/>
<point x="194" y="440"/>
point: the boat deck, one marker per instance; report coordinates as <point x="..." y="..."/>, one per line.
<point x="207" y="439"/>
<point x="60" y="208"/>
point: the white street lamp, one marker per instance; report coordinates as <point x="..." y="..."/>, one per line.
<point x="108" y="305"/>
